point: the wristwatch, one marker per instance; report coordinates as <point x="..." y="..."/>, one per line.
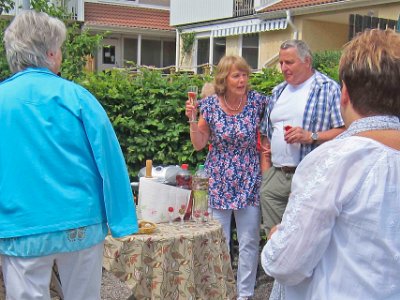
<point x="314" y="137"/>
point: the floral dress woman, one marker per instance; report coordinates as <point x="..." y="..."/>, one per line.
<point x="233" y="164"/>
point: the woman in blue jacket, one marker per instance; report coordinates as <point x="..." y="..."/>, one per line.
<point x="63" y="178"/>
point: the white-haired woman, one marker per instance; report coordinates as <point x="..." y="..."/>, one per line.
<point x="63" y="177"/>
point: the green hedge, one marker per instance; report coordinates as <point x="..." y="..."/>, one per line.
<point x="147" y="112"/>
<point x="327" y="62"/>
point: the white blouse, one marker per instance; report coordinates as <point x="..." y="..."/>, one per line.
<point x="340" y="234"/>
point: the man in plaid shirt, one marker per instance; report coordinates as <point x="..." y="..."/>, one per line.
<point x="303" y="112"/>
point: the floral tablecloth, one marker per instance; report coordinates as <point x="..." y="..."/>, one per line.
<point x="192" y="262"/>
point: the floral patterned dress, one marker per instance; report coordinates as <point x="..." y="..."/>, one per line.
<point x="233" y="163"/>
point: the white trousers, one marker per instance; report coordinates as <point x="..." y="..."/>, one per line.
<point x="248" y="232"/>
<point x="80" y="275"/>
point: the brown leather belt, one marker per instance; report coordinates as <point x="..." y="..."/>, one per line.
<point x="287" y="170"/>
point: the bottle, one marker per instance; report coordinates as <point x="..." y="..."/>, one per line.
<point x="184" y="178"/>
<point x="149" y="168"/>
<point x="200" y="195"/>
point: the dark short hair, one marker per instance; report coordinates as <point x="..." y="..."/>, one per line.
<point x="370" y="69"/>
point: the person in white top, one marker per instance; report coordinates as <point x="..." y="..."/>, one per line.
<point x="339" y="236"/>
<point x="303" y="112"/>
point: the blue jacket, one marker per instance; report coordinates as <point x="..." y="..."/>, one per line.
<point x="61" y="166"/>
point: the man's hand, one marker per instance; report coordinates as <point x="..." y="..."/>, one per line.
<point x="298" y="135"/>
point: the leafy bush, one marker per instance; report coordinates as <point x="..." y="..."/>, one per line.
<point x="327" y="62"/>
<point x="147" y="111"/>
<point x="78" y="45"/>
<point x="4" y="69"/>
<point x="265" y="81"/>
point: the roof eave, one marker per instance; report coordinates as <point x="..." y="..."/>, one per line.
<point x="130" y="30"/>
<point x="213" y="22"/>
<point x="328" y="7"/>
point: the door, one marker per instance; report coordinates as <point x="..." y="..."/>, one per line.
<point x="109" y="55"/>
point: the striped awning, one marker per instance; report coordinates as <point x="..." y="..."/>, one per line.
<point x="276" y="24"/>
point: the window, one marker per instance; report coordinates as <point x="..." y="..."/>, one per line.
<point x="250" y="49"/>
<point x="109" y="54"/>
<point x="219" y="49"/>
<point x="151" y="53"/>
<point x="168" y="53"/>
<point x="359" y="23"/>
<point x="130" y="51"/>
<point x="203" y="53"/>
<point x="158" y="53"/>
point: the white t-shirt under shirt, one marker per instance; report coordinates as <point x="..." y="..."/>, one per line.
<point x="288" y="110"/>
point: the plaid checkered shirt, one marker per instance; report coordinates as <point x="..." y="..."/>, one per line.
<point x="321" y="113"/>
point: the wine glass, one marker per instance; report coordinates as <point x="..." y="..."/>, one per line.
<point x="192" y="95"/>
<point x="197" y="215"/>
<point x="287" y="125"/>
<point x="206" y="216"/>
<point x="182" y="212"/>
<point x="170" y="214"/>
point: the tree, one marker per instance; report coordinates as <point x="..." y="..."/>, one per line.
<point x="77" y="47"/>
<point x="6" y="5"/>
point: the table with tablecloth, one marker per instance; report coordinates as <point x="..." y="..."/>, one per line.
<point x="174" y="262"/>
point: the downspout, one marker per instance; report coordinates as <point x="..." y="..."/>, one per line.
<point x="291" y="24"/>
<point x="295" y="36"/>
<point x="178" y="50"/>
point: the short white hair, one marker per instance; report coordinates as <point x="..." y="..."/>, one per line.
<point x="303" y="51"/>
<point x="29" y="37"/>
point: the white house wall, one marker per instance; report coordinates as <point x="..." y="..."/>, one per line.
<point x="193" y="11"/>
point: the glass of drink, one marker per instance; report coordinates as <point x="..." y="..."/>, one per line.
<point x="287" y="125"/>
<point x="197" y="215"/>
<point x="192" y="95"/>
<point x="170" y="215"/>
<point x="206" y="215"/>
<point x="182" y="212"/>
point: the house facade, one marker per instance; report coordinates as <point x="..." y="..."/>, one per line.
<point x="137" y="31"/>
<point x="255" y="29"/>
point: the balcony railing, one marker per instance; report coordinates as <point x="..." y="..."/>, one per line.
<point x="74" y="8"/>
<point x="243" y="8"/>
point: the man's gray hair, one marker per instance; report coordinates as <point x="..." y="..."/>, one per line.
<point x="29" y="37"/>
<point x="302" y="48"/>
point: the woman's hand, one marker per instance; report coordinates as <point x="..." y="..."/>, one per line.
<point x="265" y="154"/>
<point x="190" y="110"/>
<point x="273" y="229"/>
<point x="266" y="151"/>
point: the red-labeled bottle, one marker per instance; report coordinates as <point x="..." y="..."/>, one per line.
<point x="184" y="178"/>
